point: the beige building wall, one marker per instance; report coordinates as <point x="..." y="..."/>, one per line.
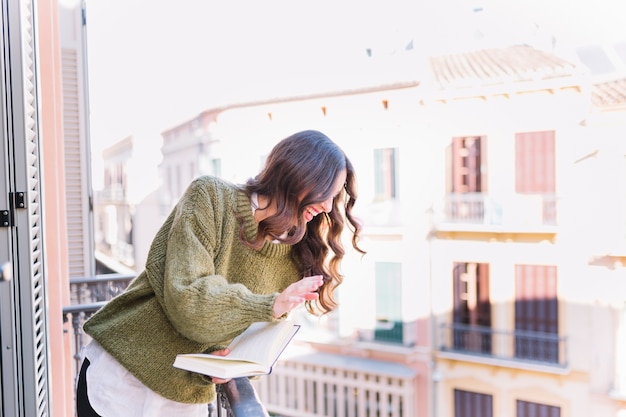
<point x="588" y="304"/>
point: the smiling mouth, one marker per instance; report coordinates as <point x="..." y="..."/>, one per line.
<point x="311" y="213"/>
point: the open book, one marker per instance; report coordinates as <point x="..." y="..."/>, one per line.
<point x="253" y="352"/>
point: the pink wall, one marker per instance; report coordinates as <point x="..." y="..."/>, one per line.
<point x="61" y="365"/>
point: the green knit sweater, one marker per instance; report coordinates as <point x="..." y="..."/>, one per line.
<point x="200" y="288"/>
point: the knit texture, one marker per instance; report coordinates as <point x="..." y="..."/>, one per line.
<point x="200" y="288"/>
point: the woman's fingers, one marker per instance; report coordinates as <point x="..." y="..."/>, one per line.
<point x="219" y="381"/>
<point x="307" y="284"/>
<point x="221" y="352"/>
<point x="297" y="293"/>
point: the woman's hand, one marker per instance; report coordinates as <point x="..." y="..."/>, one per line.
<point x="296" y="294"/>
<point x="222" y="352"/>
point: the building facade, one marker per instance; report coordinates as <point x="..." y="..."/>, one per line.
<point x="480" y="188"/>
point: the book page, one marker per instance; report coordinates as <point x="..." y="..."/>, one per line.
<point x="219" y="368"/>
<point x="262" y="342"/>
<point x="253" y="352"/>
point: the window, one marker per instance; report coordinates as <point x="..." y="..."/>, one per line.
<point x="472" y="308"/>
<point x="528" y="409"/>
<point x="472" y="404"/>
<point x="466" y="180"/>
<point x="467" y="161"/>
<point x="385" y="174"/>
<point x="535" y="170"/>
<point x="536" y="313"/>
<point x="534" y="162"/>
<point x="389" y="326"/>
<point x="216" y="167"/>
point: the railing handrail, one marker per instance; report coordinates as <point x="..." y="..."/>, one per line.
<point x="515" y="345"/>
<point x="101" y="278"/>
<point x="491" y="330"/>
<point x="83" y="308"/>
<point x="243" y="399"/>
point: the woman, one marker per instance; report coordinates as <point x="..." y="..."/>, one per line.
<point x="227" y="256"/>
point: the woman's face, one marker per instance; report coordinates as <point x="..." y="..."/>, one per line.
<point x="326" y="206"/>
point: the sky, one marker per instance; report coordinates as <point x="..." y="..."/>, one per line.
<point x="154" y="63"/>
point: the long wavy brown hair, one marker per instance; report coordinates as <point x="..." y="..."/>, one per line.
<point x="301" y="170"/>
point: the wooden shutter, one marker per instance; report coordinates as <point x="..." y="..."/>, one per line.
<point x="471" y="294"/>
<point x="472" y="307"/>
<point x="23" y="308"/>
<point x="76" y="143"/>
<point x="467" y="161"/>
<point x="536" y="312"/>
<point x="472" y="404"/>
<point x="535" y="163"/>
<point x="528" y="409"/>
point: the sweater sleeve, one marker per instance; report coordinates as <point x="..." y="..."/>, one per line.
<point x="202" y="305"/>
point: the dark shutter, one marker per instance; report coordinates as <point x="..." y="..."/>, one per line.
<point x="472" y="404"/>
<point x="528" y="409"/>
<point x="536" y="313"/>
<point x="472" y="307"/>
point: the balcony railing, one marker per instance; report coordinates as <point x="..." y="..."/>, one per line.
<point x="237" y="398"/>
<point x="326" y="385"/>
<point x="515" y="212"/>
<point x="389" y="331"/>
<point x="516" y="346"/>
<point x="99" y="288"/>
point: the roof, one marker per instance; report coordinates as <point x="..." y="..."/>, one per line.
<point x="609" y="93"/>
<point x="498" y="66"/>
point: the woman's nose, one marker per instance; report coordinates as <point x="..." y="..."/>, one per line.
<point x="328" y="205"/>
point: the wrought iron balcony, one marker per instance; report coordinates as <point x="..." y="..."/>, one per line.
<point x="517" y="347"/>
<point x="478" y="211"/>
<point x="237" y="398"/>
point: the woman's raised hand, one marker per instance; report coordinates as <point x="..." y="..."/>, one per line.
<point x="296" y="294"/>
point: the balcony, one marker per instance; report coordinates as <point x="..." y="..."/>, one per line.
<point x="390" y="332"/>
<point x="514" y="348"/>
<point x="480" y="212"/>
<point x="114" y="193"/>
<point x="309" y="385"/>
<point x="324" y="385"/>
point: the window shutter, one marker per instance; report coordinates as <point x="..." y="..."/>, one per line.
<point x="535" y="162"/>
<point x="23" y="308"/>
<point x="76" y="144"/>
<point x="536" y="312"/>
<point x="472" y="404"/>
<point x="528" y="409"/>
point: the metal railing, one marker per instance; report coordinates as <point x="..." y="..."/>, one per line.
<point x="98" y="288"/>
<point x="547" y="349"/>
<point x="323" y="385"/>
<point x="237" y="398"/>
<point x="516" y="210"/>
